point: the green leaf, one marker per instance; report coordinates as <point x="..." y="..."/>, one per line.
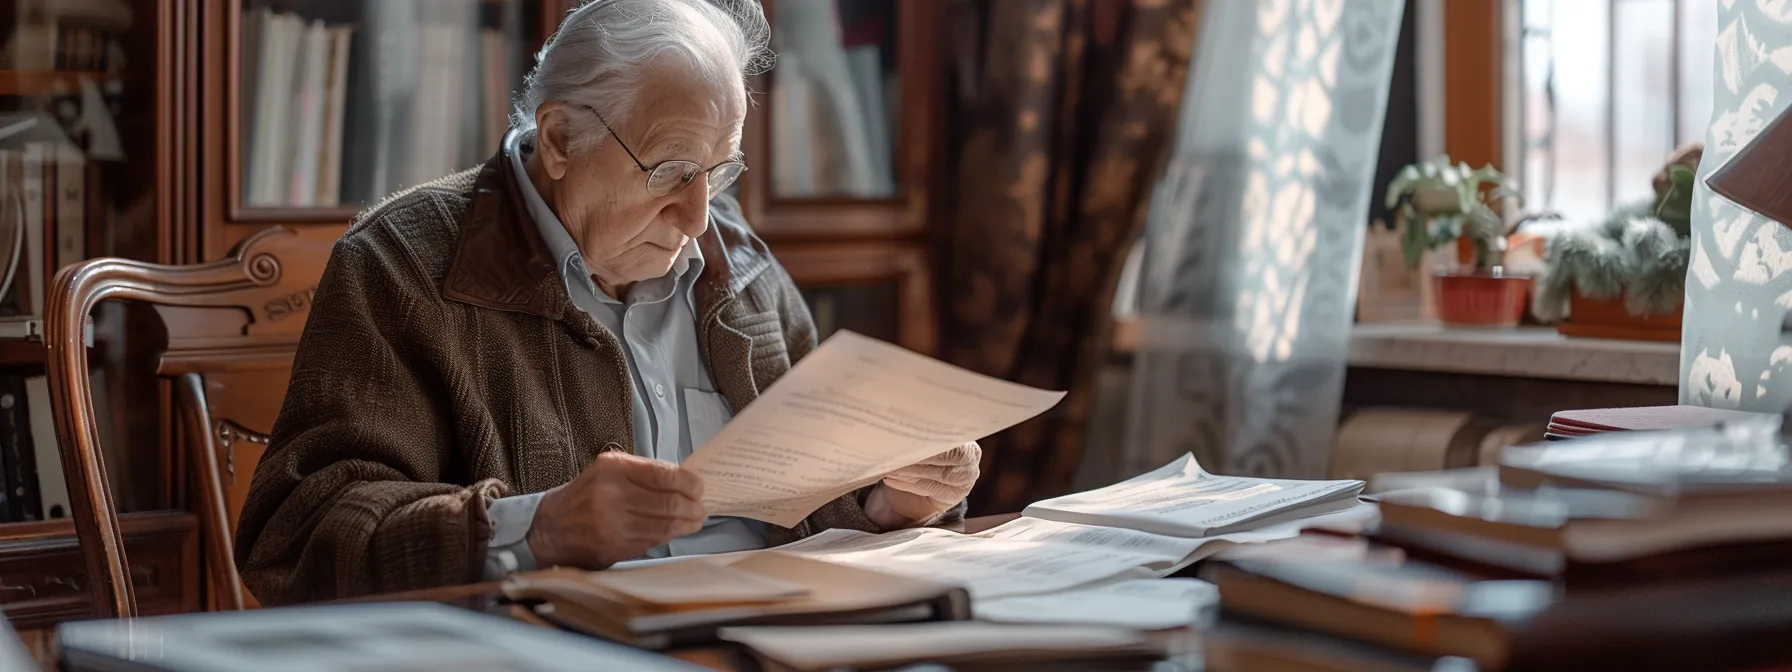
<point x="1413" y="239"/>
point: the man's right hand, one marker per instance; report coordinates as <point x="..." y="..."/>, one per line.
<point x="621" y="506"/>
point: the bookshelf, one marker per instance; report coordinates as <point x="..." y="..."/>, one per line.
<point x="87" y="114"/>
<point x="44" y="82"/>
<point x="180" y="174"/>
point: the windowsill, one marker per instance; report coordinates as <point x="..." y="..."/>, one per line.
<point x="1529" y="352"/>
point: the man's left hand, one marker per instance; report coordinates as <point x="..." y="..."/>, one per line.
<point x="916" y="493"/>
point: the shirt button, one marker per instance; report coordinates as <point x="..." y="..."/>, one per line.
<point x="659" y="390"/>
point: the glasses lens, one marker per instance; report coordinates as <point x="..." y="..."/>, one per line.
<point x="670" y="176"/>
<point x="720" y="177"/>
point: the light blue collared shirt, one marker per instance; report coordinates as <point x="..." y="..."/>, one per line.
<point x="675" y="404"/>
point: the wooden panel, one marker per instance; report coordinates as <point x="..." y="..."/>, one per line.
<point x="43" y="580"/>
<point x="1473" y="98"/>
<point x="904" y="267"/>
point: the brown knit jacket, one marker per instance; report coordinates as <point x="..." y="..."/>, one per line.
<point x="443" y="365"/>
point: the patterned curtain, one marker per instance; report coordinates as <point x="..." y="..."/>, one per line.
<point x="1062" y="120"/>
<point x="1255" y="235"/>
<point x="1735" y="352"/>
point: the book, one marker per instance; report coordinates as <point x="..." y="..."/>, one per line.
<point x="1423" y="608"/>
<point x="1180" y="499"/>
<point x="18" y="456"/>
<point x="380" y="636"/>
<point x="307" y="128"/>
<point x="1743" y="461"/>
<point x="1642" y="418"/>
<point x="961" y="646"/>
<point x="1408" y="606"/>
<point x="689" y="600"/>
<point x="1246" y="645"/>
<point x="52" y="487"/>
<point x="1545" y="532"/>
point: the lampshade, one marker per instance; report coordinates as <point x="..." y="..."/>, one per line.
<point x="1759" y="177"/>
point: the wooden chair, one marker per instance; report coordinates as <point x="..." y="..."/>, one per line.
<point x="233" y="327"/>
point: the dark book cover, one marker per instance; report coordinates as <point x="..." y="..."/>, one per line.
<point x="23" y="501"/>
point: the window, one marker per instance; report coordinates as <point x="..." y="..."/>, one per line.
<point x="1608" y="89"/>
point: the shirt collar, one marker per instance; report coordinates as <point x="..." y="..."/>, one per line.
<point x="560" y="243"/>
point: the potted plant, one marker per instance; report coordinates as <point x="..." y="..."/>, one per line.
<point x="1625" y="277"/>
<point x="1439" y="202"/>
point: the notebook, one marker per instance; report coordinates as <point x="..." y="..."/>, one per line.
<point x="391" y="637"/>
<point x="961" y="646"/>
<point x="687" y="601"/>
<point x="1641" y="418"/>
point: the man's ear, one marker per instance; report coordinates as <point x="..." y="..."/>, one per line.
<point x="552" y="137"/>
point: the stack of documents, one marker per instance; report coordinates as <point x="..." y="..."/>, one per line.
<point x="857" y="409"/>
<point x="1078" y="558"/>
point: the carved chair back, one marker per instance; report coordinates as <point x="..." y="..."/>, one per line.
<point x="233" y="326"/>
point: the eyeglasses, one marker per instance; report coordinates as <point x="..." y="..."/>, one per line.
<point x="676" y="174"/>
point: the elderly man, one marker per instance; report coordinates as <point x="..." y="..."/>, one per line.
<point x="503" y="368"/>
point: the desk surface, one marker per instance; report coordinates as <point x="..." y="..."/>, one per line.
<point x="718" y="658"/>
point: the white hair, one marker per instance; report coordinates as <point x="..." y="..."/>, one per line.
<point x="602" y="50"/>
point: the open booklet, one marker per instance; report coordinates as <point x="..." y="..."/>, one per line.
<point x="1181" y="499"/>
<point x="851" y="412"/>
<point x="1101" y="535"/>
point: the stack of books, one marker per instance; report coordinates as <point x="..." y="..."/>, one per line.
<point x="1623" y="551"/>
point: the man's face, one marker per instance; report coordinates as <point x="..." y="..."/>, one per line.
<point x="625" y="233"/>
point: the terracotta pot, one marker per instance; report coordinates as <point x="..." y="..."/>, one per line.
<point x="1593" y="318"/>
<point x="1481" y="298"/>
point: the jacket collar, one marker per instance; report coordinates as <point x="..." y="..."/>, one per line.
<point x="502" y="263"/>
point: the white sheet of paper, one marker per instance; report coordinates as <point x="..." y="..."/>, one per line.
<point x="1144" y="604"/>
<point x="852" y="411"/>
<point x="1133" y="541"/>
<point x="875" y="646"/>
<point x="985" y="567"/>
<point x="1182" y="499"/>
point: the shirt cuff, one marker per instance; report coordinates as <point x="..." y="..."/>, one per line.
<point x="508" y="551"/>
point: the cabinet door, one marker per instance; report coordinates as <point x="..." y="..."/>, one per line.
<point x="839" y="141"/>
<point x="880" y="290"/>
<point x="89" y="99"/>
<point x="331" y="105"/>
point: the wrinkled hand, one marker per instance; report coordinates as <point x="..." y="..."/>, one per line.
<point x="920" y="491"/>
<point x="621" y="506"/>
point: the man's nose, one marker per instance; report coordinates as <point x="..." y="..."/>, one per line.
<point x="695" y="202"/>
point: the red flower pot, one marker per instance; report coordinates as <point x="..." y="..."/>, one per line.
<point x="1593" y="318"/>
<point x="1481" y="298"/>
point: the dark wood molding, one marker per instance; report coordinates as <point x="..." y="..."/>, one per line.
<point x="864" y="262"/>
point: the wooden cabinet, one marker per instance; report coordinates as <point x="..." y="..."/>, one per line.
<point x="43" y="580"/>
<point x="169" y="130"/>
<point x="844" y="148"/>
<point x="321" y="107"/>
<point x="92" y="133"/>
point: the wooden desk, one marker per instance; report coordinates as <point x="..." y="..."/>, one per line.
<point x="480" y="596"/>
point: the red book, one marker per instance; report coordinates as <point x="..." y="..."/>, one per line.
<point x="1641" y="418"/>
